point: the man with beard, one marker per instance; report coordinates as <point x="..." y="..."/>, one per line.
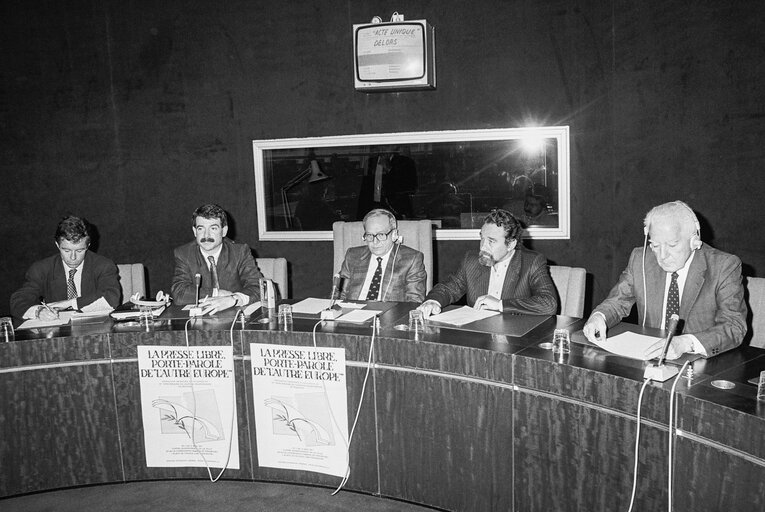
<point x="503" y="276"/>
<point x="228" y="272"/>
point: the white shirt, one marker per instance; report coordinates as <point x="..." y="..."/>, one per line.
<point x="682" y="276"/>
<point x="371" y="273"/>
<point x="497" y="277"/>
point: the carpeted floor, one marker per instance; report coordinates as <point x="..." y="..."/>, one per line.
<point x="188" y="496"/>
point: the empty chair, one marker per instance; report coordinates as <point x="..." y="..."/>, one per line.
<point x="755" y="287"/>
<point x="275" y="269"/>
<point x="132" y="280"/>
<point x="570" y="283"/>
<point x="417" y="234"/>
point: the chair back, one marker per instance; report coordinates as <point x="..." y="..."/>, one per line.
<point x="755" y="287"/>
<point x="275" y="269"/>
<point x="570" y="283"/>
<point x="132" y="280"/>
<point x="417" y="234"/>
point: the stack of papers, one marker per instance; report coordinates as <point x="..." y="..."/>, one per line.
<point x="135" y="313"/>
<point x="462" y="316"/>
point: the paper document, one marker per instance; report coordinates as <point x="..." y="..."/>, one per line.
<point x="311" y="306"/>
<point x="351" y="305"/>
<point x="36" y="322"/>
<point x="629" y="344"/>
<point x="462" y="316"/>
<point x="98" y="307"/>
<point x="358" y="316"/>
<point x="135" y="313"/>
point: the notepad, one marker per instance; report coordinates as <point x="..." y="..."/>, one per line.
<point x="629" y="344"/>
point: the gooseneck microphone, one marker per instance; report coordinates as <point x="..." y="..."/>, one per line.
<point x="336" y="279"/>
<point x="197" y="282"/>
<point x="332" y="312"/>
<point x="661" y="372"/>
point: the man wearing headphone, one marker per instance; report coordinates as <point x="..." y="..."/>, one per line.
<point x="680" y="275"/>
<point x="384" y="269"/>
<point x="502" y="276"/>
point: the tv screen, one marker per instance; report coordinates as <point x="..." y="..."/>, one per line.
<point x="398" y="55"/>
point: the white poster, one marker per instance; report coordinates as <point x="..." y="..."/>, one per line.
<point x="189" y="406"/>
<point x="301" y="407"/>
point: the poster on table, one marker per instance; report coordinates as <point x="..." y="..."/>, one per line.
<point x="301" y="407"/>
<point x="188" y="406"/>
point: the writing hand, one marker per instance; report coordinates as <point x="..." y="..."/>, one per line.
<point x="595" y="329"/>
<point x="488" y="302"/>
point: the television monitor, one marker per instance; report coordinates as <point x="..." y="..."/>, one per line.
<point x="398" y="55"/>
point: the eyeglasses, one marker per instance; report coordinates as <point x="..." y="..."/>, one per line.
<point x="380" y="237"/>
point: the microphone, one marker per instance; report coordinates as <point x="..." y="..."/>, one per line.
<point x="332" y="311"/>
<point x="197" y="282"/>
<point x="661" y="372"/>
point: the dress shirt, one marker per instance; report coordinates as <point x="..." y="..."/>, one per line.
<point x="241" y="298"/>
<point x="497" y="278"/>
<point x="371" y="272"/>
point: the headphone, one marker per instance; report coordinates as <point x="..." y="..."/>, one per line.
<point x="695" y="238"/>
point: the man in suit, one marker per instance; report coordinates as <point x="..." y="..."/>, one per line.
<point x="384" y="269"/>
<point x="71" y="279"/>
<point x="680" y="275"/>
<point x="229" y="276"/>
<point x="502" y="276"/>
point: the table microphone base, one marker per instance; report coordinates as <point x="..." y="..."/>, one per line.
<point x="660" y="373"/>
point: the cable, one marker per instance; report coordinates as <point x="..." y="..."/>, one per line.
<point x="671" y="435"/>
<point x="392" y="269"/>
<point x="637" y="444"/>
<point x="645" y="289"/>
<point x="344" y="480"/>
<point x="194" y="403"/>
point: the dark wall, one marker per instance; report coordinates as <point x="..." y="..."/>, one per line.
<point x="133" y="113"/>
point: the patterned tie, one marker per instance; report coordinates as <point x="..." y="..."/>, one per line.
<point x="71" y="289"/>
<point x="374" y="287"/>
<point x="214" y="272"/>
<point x="673" y="300"/>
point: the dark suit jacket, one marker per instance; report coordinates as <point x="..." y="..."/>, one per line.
<point x="47" y="279"/>
<point x="712" y="305"/>
<point x="528" y="287"/>
<point x="237" y="272"/>
<point x="403" y="281"/>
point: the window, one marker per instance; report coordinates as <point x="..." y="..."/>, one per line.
<point x="453" y="178"/>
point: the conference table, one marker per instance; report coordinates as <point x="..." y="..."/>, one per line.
<point x="475" y="418"/>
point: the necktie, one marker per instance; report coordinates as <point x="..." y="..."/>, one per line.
<point x="71" y="289"/>
<point x="214" y="272"/>
<point x="374" y="286"/>
<point x="673" y="300"/>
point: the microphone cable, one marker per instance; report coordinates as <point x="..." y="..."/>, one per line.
<point x="375" y="328"/>
<point x="233" y="402"/>
<point x="672" y="427"/>
<point x="392" y="268"/>
<point x="645" y="289"/>
<point x="637" y="444"/>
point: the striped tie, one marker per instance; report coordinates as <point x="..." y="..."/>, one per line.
<point x="71" y="289"/>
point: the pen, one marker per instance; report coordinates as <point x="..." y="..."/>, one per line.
<point x="46" y="306"/>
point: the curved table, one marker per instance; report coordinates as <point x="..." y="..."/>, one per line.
<point x="457" y="419"/>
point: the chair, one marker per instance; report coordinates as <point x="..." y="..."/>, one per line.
<point x="755" y="286"/>
<point x="417" y="234"/>
<point x="570" y="283"/>
<point x="132" y="280"/>
<point x="275" y="269"/>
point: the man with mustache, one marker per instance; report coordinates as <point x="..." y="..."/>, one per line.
<point x="229" y="274"/>
<point x="503" y="276"/>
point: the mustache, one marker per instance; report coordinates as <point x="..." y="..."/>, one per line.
<point x="203" y="240"/>
<point x="486" y="259"/>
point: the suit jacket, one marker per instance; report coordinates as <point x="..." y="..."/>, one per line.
<point x="712" y="305"/>
<point x="47" y="279"/>
<point x="237" y="272"/>
<point x="528" y="287"/>
<point x="403" y="281"/>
